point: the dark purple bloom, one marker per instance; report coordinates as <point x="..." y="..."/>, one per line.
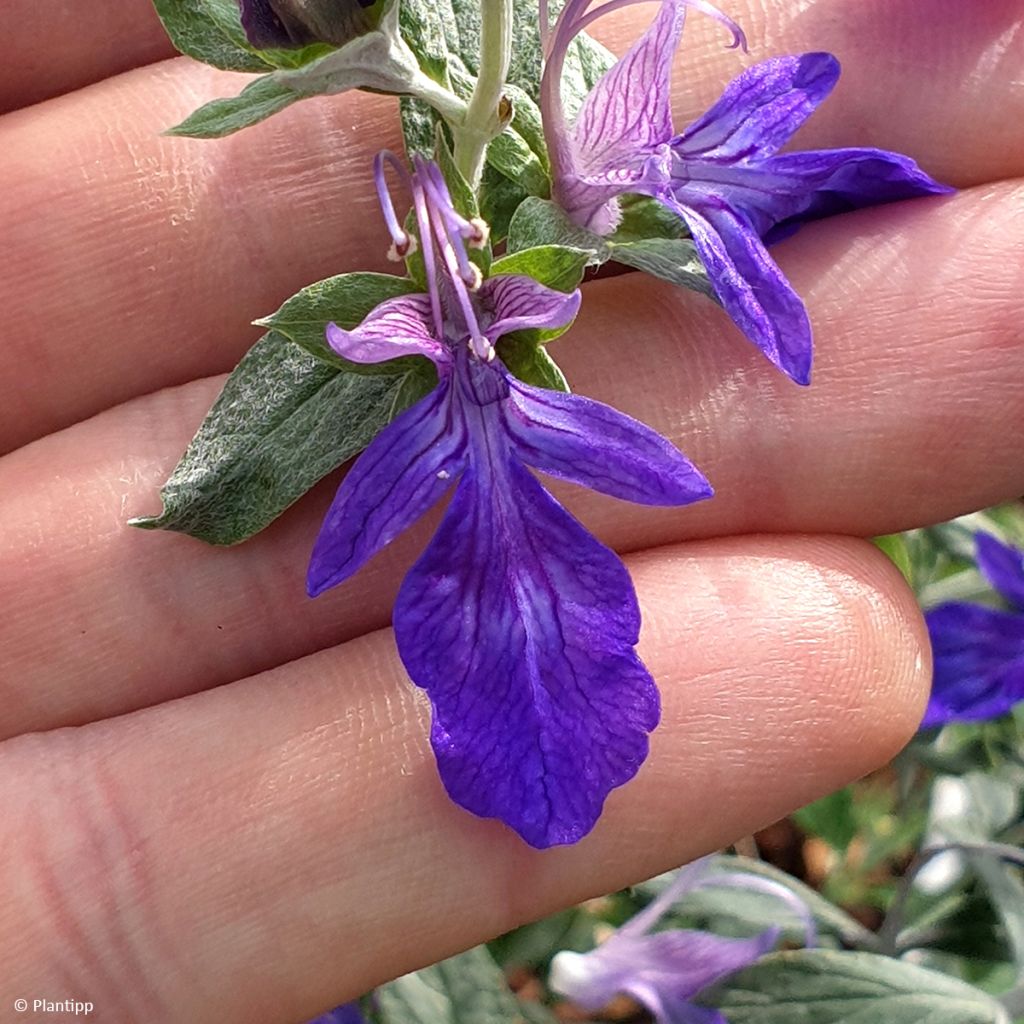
<point x="519" y="625"/>
<point x="286" y="24"/>
<point x="348" y="1013"/>
<point x="979" y="651"/>
<point x="666" y="971"/>
<point x="723" y="175"/>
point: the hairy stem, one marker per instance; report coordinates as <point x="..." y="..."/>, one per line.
<point x="484" y="116"/>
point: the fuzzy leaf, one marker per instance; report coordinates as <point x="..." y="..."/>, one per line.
<point x="258" y="100"/>
<point x="344" y="300"/>
<point x="671" y="259"/>
<point x="530" y="362"/>
<point x="539" y="222"/>
<point x="283" y="421"/>
<point x="829" y="987"/>
<point x="557" y="266"/>
<point x="467" y="989"/>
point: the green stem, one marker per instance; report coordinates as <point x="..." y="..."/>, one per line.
<point x="484" y="120"/>
<point x="451" y="107"/>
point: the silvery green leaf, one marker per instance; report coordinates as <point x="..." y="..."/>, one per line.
<point x="344" y="300"/>
<point x="467" y="989"/>
<point x="283" y="421"/>
<point x="379" y="60"/>
<point x="541" y="222"/>
<point x="672" y="259"/>
<point x="530" y="362"/>
<point x="830" y="987"/>
<point x="557" y="266"/>
<point x="258" y="100"/>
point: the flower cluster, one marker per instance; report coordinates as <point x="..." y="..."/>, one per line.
<point x="518" y="623"/>
<point x="979" y="651"/>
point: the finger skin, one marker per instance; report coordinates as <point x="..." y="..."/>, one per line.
<point x="913" y="417"/>
<point x="149" y="275"/>
<point x="265" y="850"/>
<point x="53" y="46"/>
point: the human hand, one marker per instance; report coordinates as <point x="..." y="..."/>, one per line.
<point x="269" y="846"/>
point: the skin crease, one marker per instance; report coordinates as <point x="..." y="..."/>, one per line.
<point x="276" y="840"/>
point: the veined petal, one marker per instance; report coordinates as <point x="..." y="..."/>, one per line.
<point x="761" y="108"/>
<point x="518" y="302"/>
<point x="402" y="326"/>
<point x="592" y="444"/>
<point x="979" y="663"/>
<point x="813" y="184"/>
<point x="750" y="285"/>
<point x="406" y="468"/>
<point x="521" y="627"/>
<point x="1003" y="567"/>
<point x="627" y="113"/>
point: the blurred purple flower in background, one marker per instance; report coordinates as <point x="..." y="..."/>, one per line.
<point x="665" y="971"/>
<point x="518" y="623"/>
<point x="979" y="651"/>
<point x="349" y="1013"/>
<point x="723" y="174"/>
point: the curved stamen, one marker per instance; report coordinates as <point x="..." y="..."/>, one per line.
<point x="455" y="228"/>
<point x="419" y="200"/>
<point x="738" y="37"/>
<point x="481" y="347"/>
<point x="403" y="242"/>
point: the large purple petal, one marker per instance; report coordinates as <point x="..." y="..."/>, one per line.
<point x="406" y="468"/>
<point x="760" y="108"/>
<point x="518" y="302"/>
<point x="814" y="184"/>
<point x="521" y="627"/>
<point x="402" y="326"/>
<point x="592" y="444"/>
<point x="627" y="113"/>
<point x="979" y="663"/>
<point x="1003" y="567"/>
<point x="749" y="284"/>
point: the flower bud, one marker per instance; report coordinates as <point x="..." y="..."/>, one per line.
<point x="284" y="24"/>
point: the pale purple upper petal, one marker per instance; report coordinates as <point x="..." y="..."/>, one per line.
<point x="518" y="302"/>
<point x="978" y="655"/>
<point x="751" y="287"/>
<point x="402" y="326"/>
<point x="592" y="444"/>
<point x="627" y="113"/>
<point x="406" y="468"/>
<point x="521" y="627"/>
<point x="1003" y="567"/>
<point x="664" y="971"/>
<point x="761" y="108"/>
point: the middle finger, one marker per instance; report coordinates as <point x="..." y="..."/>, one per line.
<point x="914" y="416"/>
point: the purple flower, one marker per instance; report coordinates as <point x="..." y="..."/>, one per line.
<point x="723" y="174"/>
<point x="979" y="651"/>
<point x="287" y="24"/>
<point x="348" y="1013"/>
<point x="666" y="970"/>
<point x="519" y="625"/>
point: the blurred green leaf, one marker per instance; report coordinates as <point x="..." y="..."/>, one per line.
<point x="829" y="987"/>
